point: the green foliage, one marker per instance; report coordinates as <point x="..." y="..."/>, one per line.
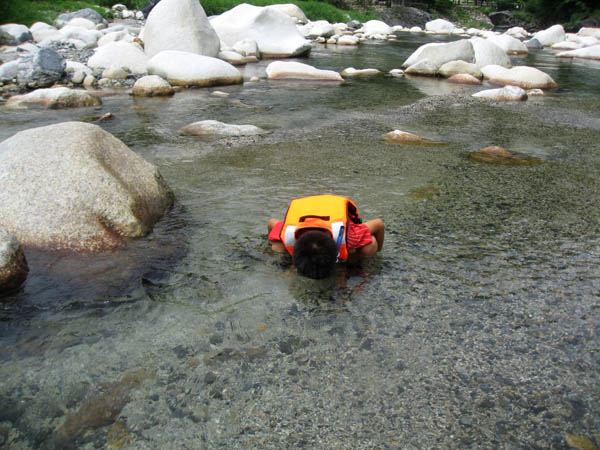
<point x="131" y="4"/>
<point x="502" y="5"/>
<point x="28" y="12"/>
<point x="464" y="18"/>
<point x="314" y="10"/>
<point x="444" y="6"/>
<point x="560" y="11"/>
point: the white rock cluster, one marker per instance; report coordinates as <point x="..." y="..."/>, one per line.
<point x="184" y="47"/>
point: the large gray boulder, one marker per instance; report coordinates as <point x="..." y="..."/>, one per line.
<point x="214" y="128"/>
<point x="9" y="70"/>
<point x="42" y="31"/>
<point x="486" y="53"/>
<point x="13" y="266"/>
<point x="523" y="76"/>
<point x="292" y="10"/>
<point x="440" y="26"/>
<point x="122" y="54"/>
<point x="439" y="54"/>
<point x="511" y="45"/>
<point x="550" y="36"/>
<point x="592" y="52"/>
<point x="40" y="69"/>
<point x="18" y="33"/>
<point x="502" y="19"/>
<point x="274" y="32"/>
<point x="190" y="69"/>
<point x="180" y="25"/>
<point x="73" y="185"/>
<point x="86" y="13"/>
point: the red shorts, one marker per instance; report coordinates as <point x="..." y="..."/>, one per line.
<point x="358" y="235"/>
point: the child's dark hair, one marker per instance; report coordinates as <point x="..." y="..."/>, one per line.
<point x="315" y="254"/>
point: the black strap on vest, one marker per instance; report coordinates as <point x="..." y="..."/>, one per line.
<point x="310" y="216"/>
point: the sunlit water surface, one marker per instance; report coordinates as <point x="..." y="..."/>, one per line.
<point x="476" y="327"/>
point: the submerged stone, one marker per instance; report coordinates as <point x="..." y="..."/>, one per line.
<point x="216" y="128"/>
<point x="579" y="442"/>
<point x="424" y="192"/>
<point x="102" y="408"/>
<point x="54" y="98"/>
<point x="499" y="155"/>
<point x="403" y="137"/>
<point x="231" y="354"/>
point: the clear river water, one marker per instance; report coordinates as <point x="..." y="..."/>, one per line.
<point x="478" y="326"/>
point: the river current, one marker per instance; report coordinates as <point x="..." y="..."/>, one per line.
<point x="478" y="326"/>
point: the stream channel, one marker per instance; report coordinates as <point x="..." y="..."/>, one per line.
<point x="477" y="327"/>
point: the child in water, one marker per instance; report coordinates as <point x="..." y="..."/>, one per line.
<point x="320" y="230"/>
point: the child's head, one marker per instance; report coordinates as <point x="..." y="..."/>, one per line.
<point x="315" y="254"/>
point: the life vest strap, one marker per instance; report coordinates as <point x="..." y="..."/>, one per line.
<point x="311" y="216"/>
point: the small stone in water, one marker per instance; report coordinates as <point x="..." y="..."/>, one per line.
<point x="424" y="192"/>
<point x="210" y="377"/>
<point x="403" y="137"/>
<point x="500" y="155"/>
<point x="103" y="408"/>
<point x="579" y="443"/>
<point x="106" y="116"/>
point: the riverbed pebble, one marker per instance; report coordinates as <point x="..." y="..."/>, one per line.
<point x="152" y="86"/>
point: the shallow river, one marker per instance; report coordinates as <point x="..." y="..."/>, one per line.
<point x="478" y="326"/>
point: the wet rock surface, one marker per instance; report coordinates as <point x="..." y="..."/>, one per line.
<point x="73" y="185"/>
<point x="40" y="69"/>
<point x="13" y="265"/>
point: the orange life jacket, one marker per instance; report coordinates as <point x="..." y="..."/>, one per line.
<point x="329" y="212"/>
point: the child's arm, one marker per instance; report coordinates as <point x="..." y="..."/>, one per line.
<point x="275" y="246"/>
<point x="377" y="230"/>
